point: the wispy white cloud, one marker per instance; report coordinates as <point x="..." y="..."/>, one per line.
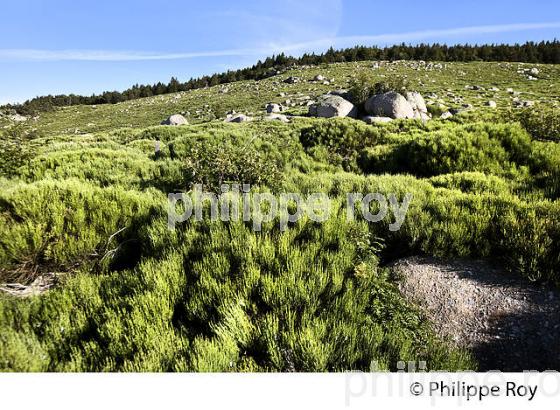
<point x="421" y="35"/>
<point x="108" y="55"/>
<point x="337" y="41"/>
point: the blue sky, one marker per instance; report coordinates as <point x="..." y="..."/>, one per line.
<point x="64" y="46"/>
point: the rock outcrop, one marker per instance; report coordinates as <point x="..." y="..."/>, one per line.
<point x="390" y="104"/>
<point x="176" y="119"/>
<point x="237" y="118"/>
<point x="376" y="120"/>
<point x="273" y="108"/>
<point x="330" y="106"/>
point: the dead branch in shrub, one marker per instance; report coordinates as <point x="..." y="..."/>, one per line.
<point x="40" y="285"/>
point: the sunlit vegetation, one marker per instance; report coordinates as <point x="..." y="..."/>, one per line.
<point x="132" y="295"/>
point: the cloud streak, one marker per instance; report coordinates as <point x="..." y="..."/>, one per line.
<point x="424" y="35"/>
<point x="272" y="48"/>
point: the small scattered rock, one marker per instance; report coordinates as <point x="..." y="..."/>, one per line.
<point x="292" y="80"/>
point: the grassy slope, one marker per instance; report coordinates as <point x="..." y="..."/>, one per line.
<point x="219" y="297"/>
<point x="250" y="96"/>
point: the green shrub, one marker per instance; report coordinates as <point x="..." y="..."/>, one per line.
<point x="545" y="166"/>
<point x="342" y="138"/>
<point x="361" y="88"/>
<point x="496" y="149"/>
<point x="15" y="151"/>
<point x="65" y="225"/>
<point x="220" y="297"/>
<point x="472" y="182"/>
<point x="542" y="122"/>
<point x="105" y="167"/>
<point x="213" y="162"/>
<point x="448" y="223"/>
<point x="436" y="110"/>
<point x="397" y="83"/>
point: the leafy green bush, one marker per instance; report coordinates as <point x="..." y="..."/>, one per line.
<point x="362" y="87"/>
<point x="436" y="110"/>
<point x="213" y="162"/>
<point x="495" y="149"/>
<point x="63" y="225"/>
<point x="545" y="166"/>
<point x="220" y="297"/>
<point x="472" y="182"/>
<point x="342" y="138"/>
<point x="105" y="167"/>
<point x="542" y="122"/>
<point x="446" y="223"/>
<point x="396" y="83"/>
<point x="15" y="151"/>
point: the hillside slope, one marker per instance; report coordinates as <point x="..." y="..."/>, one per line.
<point x="447" y="81"/>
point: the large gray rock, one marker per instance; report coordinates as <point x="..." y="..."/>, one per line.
<point x="390" y="104"/>
<point x="424" y="116"/>
<point x="376" y="120"/>
<point x="238" y="118"/>
<point x="330" y="106"/>
<point x="273" y="108"/>
<point x="18" y="118"/>
<point x="277" y="117"/>
<point x="341" y="93"/>
<point x="417" y="102"/>
<point x="176" y="119"/>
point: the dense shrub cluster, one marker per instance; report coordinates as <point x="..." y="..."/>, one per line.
<point x="15" y="151"/>
<point x="216" y="161"/>
<point x="542" y="122"/>
<point x="214" y="296"/>
<point x="495" y="149"/>
<point x="64" y="225"/>
<point x="339" y="141"/>
<point x="363" y="87"/>
<point x="545" y="166"/>
<point x="472" y="182"/>
<point x="219" y="297"/>
<point x="444" y="223"/>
